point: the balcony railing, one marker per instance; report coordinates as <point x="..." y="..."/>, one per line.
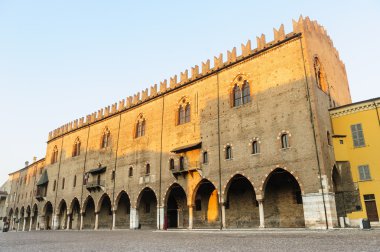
<point x="95" y="185"/>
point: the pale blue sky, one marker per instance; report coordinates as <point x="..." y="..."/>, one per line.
<point x="60" y="60"/>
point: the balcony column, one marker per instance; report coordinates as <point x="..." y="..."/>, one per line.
<point x="190" y="217"/>
<point x="81" y="222"/>
<point x="24" y="224"/>
<point x="261" y="212"/>
<point x="113" y="219"/>
<point x="96" y="221"/>
<point x="68" y="221"/>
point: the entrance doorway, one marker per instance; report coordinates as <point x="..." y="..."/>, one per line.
<point x="370" y="205"/>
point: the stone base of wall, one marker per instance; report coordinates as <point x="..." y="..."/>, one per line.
<point x="314" y="210"/>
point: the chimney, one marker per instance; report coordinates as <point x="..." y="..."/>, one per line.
<point x="26" y="163"/>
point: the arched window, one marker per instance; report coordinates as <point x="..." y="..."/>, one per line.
<point x="76" y="148"/>
<point x="181" y="115"/>
<point x="246" y="93"/>
<point x="147" y="169"/>
<point x="237" y="96"/>
<point x="205" y="157"/>
<point x="255" y="147"/>
<point x="187" y="113"/>
<point x="181" y="163"/>
<point x="75" y="181"/>
<point x="54" y="156"/>
<point x="171" y="164"/>
<point x="228" y="152"/>
<point x="140" y="128"/>
<point x="130" y="172"/>
<point x="284" y="141"/>
<point x="106" y="138"/>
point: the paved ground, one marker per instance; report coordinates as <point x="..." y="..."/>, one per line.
<point x="253" y="240"/>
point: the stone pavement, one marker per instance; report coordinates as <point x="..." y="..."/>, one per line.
<point x="200" y="240"/>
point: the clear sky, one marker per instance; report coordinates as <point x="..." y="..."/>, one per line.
<point x="61" y="60"/>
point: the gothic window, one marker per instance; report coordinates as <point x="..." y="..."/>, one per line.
<point x="255" y="147"/>
<point x="54" y="185"/>
<point x="140" y="127"/>
<point x="320" y="75"/>
<point x="184" y="110"/>
<point x="105" y="138"/>
<point x="76" y="148"/>
<point x="237" y="96"/>
<point x="130" y="172"/>
<point x="205" y="157"/>
<point x="54" y="156"/>
<point x="63" y="183"/>
<point x="284" y="141"/>
<point x="147" y="169"/>
<point x="246" y="93"/>
<point x="228" y="152"/>
<point x="171" y="164"/>
<point x="75" y="181"/>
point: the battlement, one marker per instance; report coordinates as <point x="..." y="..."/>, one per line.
<point x="303" y="25"/>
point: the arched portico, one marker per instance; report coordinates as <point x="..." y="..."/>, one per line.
<point x="147" y="209"/>
<point x="205" y="205"/>
<point x="88" y="213"/>
<point x="104" y="212"/>
<point x="34" y="219"/>
<point x="62" y="215"/>
<point x="48" y="216"/>
<point x="241" y="206"/>
<point x="177" y="212"/>
<point x="74" y="212"/>
<point x="21" y="226"/>
<point x="283" y="200"/>
<point x="122" y="211"/>
<point x="27" y="218"/>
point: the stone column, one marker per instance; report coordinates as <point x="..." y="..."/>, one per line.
<point x="190" y="217"/>
<point x="24" y="224"/>
<point x="81" y="222"/>
<point x="18" y="225"/>
<point x="96" y="221"/>
<point x="134" y="219"/>
<point x="261" y="213"/>
<point x="113" y="220"/>
<point x="223" y="215"/>
<point x="160" y="217"/>
<point x="55" y="222"/>
<point x="30" y="223"/>
<point x="68" y="221"/>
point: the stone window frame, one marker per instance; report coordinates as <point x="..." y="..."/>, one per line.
<point x="181" y="111"/>
<point x="76" y="147"/>
<point x="225" y="148"/>
<point x="140" y="127"/>
<point x="171" y="163"/>
<point x="251" y="143"/>
<point x="105" y="140"/>
<point x="54" y="157"/>
<point x="207" y="161"/>
<point x="148" y="170"/>
<point x="239" y="82"/>
<point x="289" y="141"/>
<point x="320" y="75"/>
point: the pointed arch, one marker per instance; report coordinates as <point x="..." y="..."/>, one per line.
<point x="88" y="211"/>
<point x="104" y="210"/>
<point x="175" y="201"/>
<point x="122" y="209"/>
<point x="282" y="192"/>
<point x="74" y="211"/>
<point x="147" y="208"/>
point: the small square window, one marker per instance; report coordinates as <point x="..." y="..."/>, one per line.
<point x="341" y="141"/>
